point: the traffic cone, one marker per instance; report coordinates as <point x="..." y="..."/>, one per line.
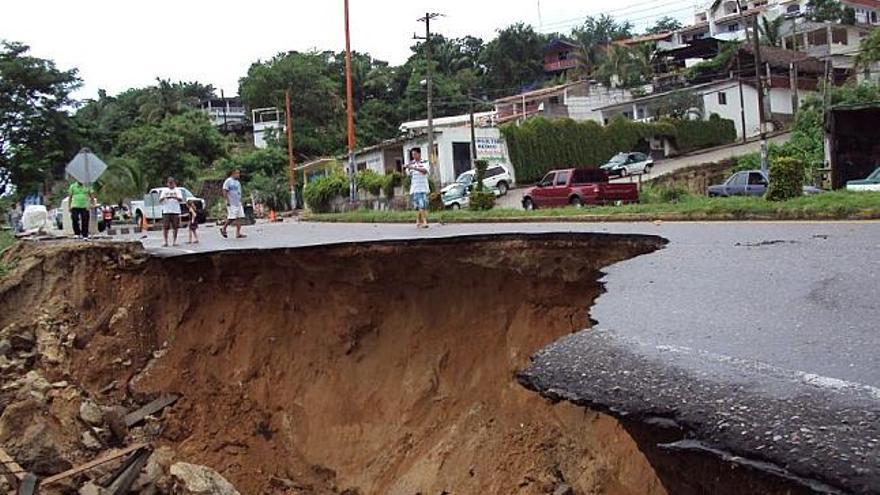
<point x="145" y="226"/>
<point x="272" y="216"/>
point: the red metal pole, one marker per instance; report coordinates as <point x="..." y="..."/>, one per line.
<point x="350" y="105"/>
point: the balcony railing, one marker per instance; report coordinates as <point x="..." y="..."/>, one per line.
<point x="560" y="65"/>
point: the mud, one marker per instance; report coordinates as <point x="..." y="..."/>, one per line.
<point x="384" y="368"/>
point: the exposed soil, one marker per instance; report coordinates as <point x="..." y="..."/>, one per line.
<point x="367" y="369"/>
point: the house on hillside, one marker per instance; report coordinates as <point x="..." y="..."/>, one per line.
<point x="575" y="100"/>
<point x="560" y="55"/>
<point x="721" y="96"/>
<point x="267" y="122"/>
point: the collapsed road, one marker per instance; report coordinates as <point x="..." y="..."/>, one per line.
<point x="391" y="367"/>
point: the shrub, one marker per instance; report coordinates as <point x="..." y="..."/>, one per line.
<point x="482" y="200"/>
<point x="320" y="192"/>
<point x="672" y="194"/>
<point x="370" y="181"/>
<point x="392" y="180"/>
<point x="479" y="175"/>
<point x="786" y="179"/>
<point x="435" y="201"/>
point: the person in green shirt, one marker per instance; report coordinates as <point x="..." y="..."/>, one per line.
<point x="81" y="197"/>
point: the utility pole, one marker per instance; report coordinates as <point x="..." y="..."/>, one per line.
<point x="350" y="108"/>
<point x="435" y="174"/>
<point x="473" y="133"/>
<point x="759" y="86"/>
<point x="290" y="158"/>
<point x="223" y="97"/>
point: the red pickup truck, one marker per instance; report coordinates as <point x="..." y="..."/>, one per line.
<point x="577" y="187"/>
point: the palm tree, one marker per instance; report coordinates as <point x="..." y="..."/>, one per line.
<point x="617" y="68"/>
<point x="124" y="179"/>
<point x="771" y="31"/>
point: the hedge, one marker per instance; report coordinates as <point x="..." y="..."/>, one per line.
<point x="693" y="135"/>
<point x="540" y="145"/>
<point x="321" y="191"/>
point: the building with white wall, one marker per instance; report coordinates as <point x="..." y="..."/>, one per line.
<point x="267" y="121"/>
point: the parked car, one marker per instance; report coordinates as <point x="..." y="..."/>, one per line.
<point x="623" y="164"/>
<point x="151" y="209"/>
<point x="578" y="187"/>
<point x="497" y="177"/>
<point x="457" y="196"/>
<point x="869" y="183"/>
<point x="748" y="183"/>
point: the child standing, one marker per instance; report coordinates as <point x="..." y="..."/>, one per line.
<point x="193" y="223"/>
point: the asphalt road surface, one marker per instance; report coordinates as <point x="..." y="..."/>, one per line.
<point x="762" y="338"/>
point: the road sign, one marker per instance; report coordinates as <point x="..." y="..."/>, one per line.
<point x="86" y="167"/>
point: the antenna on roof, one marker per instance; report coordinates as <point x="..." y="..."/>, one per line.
<point x="540" y="18"/>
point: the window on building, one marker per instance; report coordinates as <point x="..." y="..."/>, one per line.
<point x="873" y="17"/>
<point x="793" y="9"/>
<point x="722" y="98"/>
<point x="838" y="36"/>
<point x="563" y="56"/>
<point x="733" y="28"/>
<point x="818" y="38"/>
<point x="554" y="100"/>
<point x="362" y="166"/>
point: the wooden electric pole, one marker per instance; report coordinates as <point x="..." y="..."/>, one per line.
<point x="759" y="86"/>
<point x="435" y="174"/>
<point x="290" y="158"/>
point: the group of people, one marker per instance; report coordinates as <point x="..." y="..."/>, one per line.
<point x="172" y="202"/>
<point x="172" y="198"/>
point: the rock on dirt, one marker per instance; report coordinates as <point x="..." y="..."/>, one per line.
<point x="194" y="479"/>
<point x="91" y="413"/>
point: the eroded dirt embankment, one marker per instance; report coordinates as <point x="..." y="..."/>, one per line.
<point x="373" y="369"/>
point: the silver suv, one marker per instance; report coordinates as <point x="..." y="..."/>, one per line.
<point x="497" y="177"/>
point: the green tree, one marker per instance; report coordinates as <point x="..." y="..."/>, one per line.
<point x="179" y="146"/>
<point x="869" y="51"/>
<point x="771" y="31"/>
<point x="824" y="10"/>
<point x="594" y="38"/>
<point x="36" y="134"/>
<point x="514" y="59"/>
<point x="317" y="97"/>
<point x="665" y="24"/>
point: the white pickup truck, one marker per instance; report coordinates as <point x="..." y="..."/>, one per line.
<point x="151" y="209"/>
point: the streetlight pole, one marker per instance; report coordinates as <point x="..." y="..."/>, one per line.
<point x="430" y="87"/>
<point x="350" y="109"/>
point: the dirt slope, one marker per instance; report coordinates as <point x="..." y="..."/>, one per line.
<point x="366" y="369"/>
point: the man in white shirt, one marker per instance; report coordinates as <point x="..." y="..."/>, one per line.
<point x="170" y="200"/>
<point x="419" y="188"/>
<point x="234" y="208"/>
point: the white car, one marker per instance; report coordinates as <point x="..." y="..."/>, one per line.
<point x="869" y="183"/>
<point x="497" y="178"/>
<point x="623" y="164"/>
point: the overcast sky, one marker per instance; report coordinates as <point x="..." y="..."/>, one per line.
<point x="121" y="44"/>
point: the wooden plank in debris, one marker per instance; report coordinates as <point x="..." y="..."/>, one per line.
<point x="10" y="469"/>
<point x="111" y="456"/>
<point x="157" y="405"/>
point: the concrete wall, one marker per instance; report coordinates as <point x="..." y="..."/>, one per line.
<point x="732" y="110"/>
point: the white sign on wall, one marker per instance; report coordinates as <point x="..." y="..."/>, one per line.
<point x="491" y="149"/>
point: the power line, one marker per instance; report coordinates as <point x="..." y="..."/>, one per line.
<point x="626" y="14"/>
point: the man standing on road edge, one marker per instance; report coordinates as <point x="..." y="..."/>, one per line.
<point x="419" y="187"/>
<point x="81" y="197"/>
<point x="170" y="200"/>
<point x="234" y="209"/>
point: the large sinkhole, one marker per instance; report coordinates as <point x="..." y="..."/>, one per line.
<point x="376" y="368"/>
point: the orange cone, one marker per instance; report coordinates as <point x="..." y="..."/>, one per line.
<point x="272" y="216"/>
<point x="145" y="226"/>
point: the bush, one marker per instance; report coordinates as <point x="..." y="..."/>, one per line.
<point x="370" y="181"/>
<point x="392" y="180"/>
<point x="482" y="200"/>
<point x="693" y="135"/>
<point x="480" y="167"/>
<point x="786" y="179"/>
<point x="320" y="192"/>
<point x="672" y="194"/>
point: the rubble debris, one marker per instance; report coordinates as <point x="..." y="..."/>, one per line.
<point x="129" y="472"/>
<point x="193" y="479"/>
<point x="10" y="469"/>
